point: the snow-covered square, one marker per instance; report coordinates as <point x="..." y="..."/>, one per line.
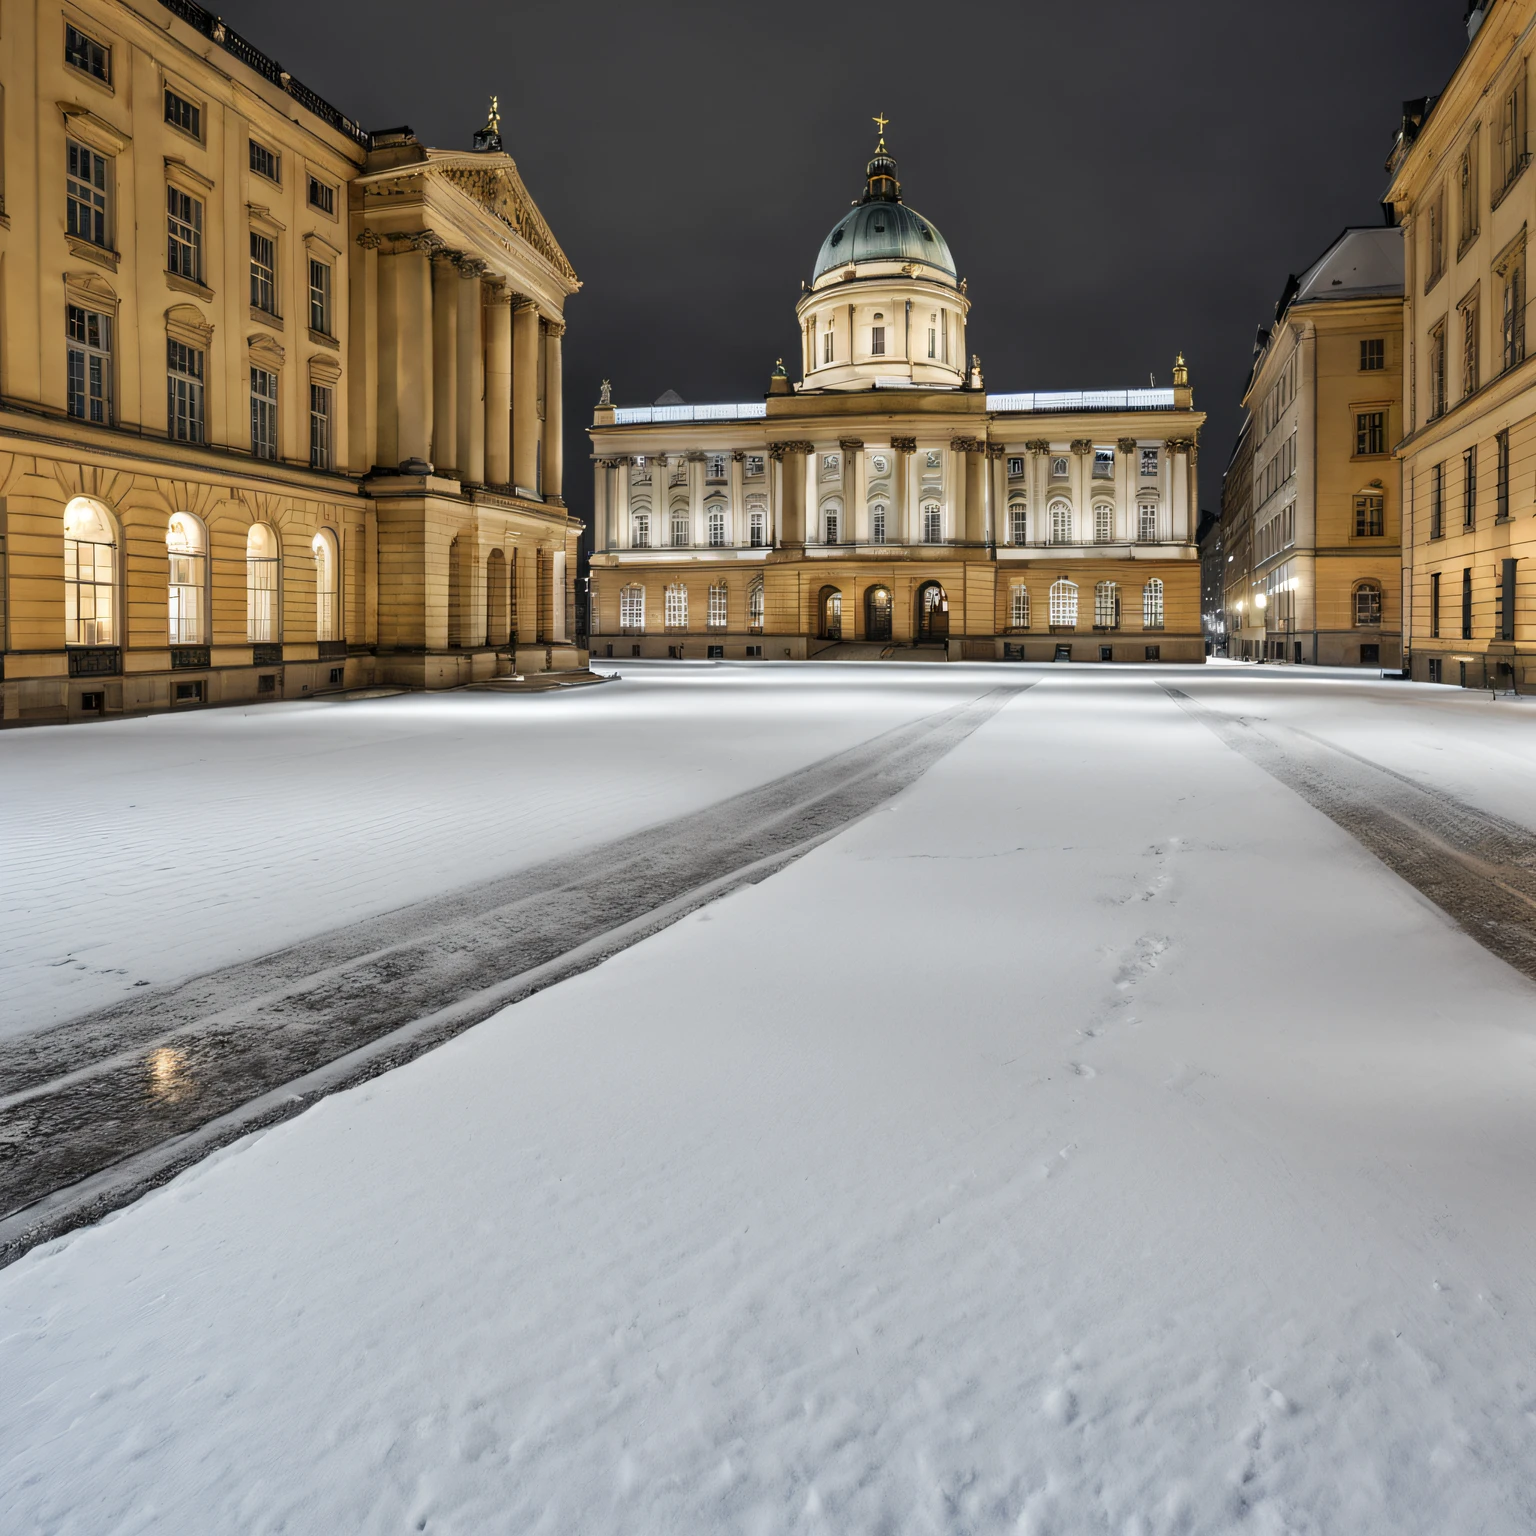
<point x="1113" y="1126"/>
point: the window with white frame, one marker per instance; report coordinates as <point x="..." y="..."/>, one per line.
<point x="877" y="341"/>
<point x="1061" y="522"/>
<point x="1059" y="466"/>
<point x="877" y="523"/>
<point x="829" y="521"/>
<point x="757" y="527"/>
<point x="755" y="606"/>
<point x="263" y="413"/>
<point x="719" y="605"/>
<point x="263" y="273"/>
<point x="1064" y="603"/>
<point x="1103" y="463"/>
<point x="1015" y="468"/>
<point x="1103" y="523"/>
<point x="261" y="584"/>
<point x="184" y="389"/>
<point x="320" y="403"/>
<point x="831" y="465"/>
<point x="1368" y="605"/>
<point x="933" y="523"/>
<point x="1146" y="522"/>
<point x="1106" y="605"/>
<point x="1149" y="461"/>
<point x="183" y="235"/>
<point x="933" y="341"/>
<point x="716" y="524"/>
<point x="89" y="364"/>
<point x="715" y="466"/>
<point x="640" y="530"/>
<point x="1018" y="523"/>
<point x="320" y="297"/>
<point x="632" y="607"/>
<point x="752" y="465"/>
<point x="88" y="192"/>
<point x="826" y="344"/>
<point x="327" y="586"/>
<point x="676" y="611"/>
<point x="1018" y="608"/>
<point x="187" y="553"/>
<point x="679" y="528"/>
<point x="640" y="470"/>
<point x="90" y="575"/>
<point x="1152" y="604"/>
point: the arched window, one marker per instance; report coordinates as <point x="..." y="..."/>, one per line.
<point x="1018" y="608"/>
<point x="830" y="518"/>
<point x="1368" y="605"/>
<point x="1146" y="522"/>
<point x="676" y="611"/>
<point x="877" y="523"/>
<point x="640" y="531"/>
<point x="186" y="548"/>
<point x="261" y="584"/>
<point x="1061" y="523"/>
<point x="755" y="606"/>
<point x="327" y="586"/>
<point x="719" y="605"/>
<point x="1018" y="523"/>
<point x="933" y="523"/>
<point x="632" y="608"/>
<point x="831" y="614"/>
<point x="496" y="632"/>
<point x="679" y="527"/>
<point x="1106" y="605"/>
<point x="90" y="574"/>
<point x="1103" y="523"/>
<point x="757" y="525"/>
<point x="716" y="527"/>
<point x="1064" y="603"/>
<point x="1152" y="604"/>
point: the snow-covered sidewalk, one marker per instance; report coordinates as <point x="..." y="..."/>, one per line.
<point x="1096" y="1139"/>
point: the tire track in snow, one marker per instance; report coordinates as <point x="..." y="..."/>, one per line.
<point x="1479" y="869"/>
<point x="96" y="1110"/>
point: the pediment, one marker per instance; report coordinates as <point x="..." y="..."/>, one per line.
<point x="500" y="191"/>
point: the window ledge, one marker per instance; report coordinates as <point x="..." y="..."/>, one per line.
<point x="1432" y="280"/>
<point x="266" y="317"/>
<point x="321" y="339"/>
<point x="100" y="254"/>
<point x="1498" y="197"/>
<point x="1466" y="245"/>
<point x="76" y="73"/>
<point x="182" y="284"/>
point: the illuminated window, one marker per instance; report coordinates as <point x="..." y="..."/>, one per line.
<point x="1368" y="605"/>
<point x="877" y="523"/>
<point x="1018" y="523"/>
<point x="184" y="235"/>
<point x="1064" y="602"/>
<point x="263" y="273"/>
<point x="641" y="531"/>
<point x="757" y="526"/>
<point x="90" y="574"/>
<point x="1061" y="523"/>
<point x="632" y="608"/>
<point x="1106" y="605"/>
<point x="718" y="605"/>
<point x="1152" y="604"/>
<point x="1146" y="522"/>
<point x="261" y="584"/>
<point x="755" y="606"/>
<point x="90" y="364"/>
<point x="676" y="612"/>
<point x="933" y="523"/>
<point x="1018" y="608"/>
<point x="1103" y="523"/>
<point x="829" y="524"/>
<point x="187" y="551"/>
<point x="327" y="586"/>
<point x="716" y="528"/>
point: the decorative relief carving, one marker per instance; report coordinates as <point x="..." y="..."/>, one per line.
<point x="996" y="450"/>
<point x="1037" y="445"/>
<point x="501" y="192"/>
<point x="472" y="266"/>
<point x="966" y="444"/>
<point x="1180" y="444"/>
<point x="495" y="292"/>
<point x="1082" y="445"/>
<point x="851" y="444"/>
<point x="695" y="456"/>
<point x="1126" y="445"/>
<point x="738" y="455"/>
<point x="794" y="445"/>
<point x="370" y="240"/>
<point x="904" y="444"/>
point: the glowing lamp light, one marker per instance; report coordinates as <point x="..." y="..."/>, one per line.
<point x="1260" y="601"/>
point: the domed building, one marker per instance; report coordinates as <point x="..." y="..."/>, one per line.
<point x="885" y="501"/>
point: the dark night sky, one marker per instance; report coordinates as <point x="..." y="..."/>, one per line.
<point x="1117" y="179"/>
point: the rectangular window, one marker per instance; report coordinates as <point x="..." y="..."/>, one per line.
<point x="86" y="53"/>
<point x="640" y="534"/>
<point x="263" y="273"/>
<point x="1146" y="519"/>
<point x="1018" y="608"/>
<point x="716" y="529"/>
<point x="184" y="235"/>
<point x="1466" y="178"/>
<point x="90" y="364"/>
<point x="632" y="608"/>
<point x="1434" y="236"/>
<point x="1103" y="524"/>
<point x="1469" y="488"/>
<point x="1512" y="155"/>
<point x="676" y="610"/>
<point x="183" y="114"/>
<point x="184" y="380"/>
<point x="830" y="463"/>
<point x="933" y="341"/>
<point x="319" y="426"/>
<point x="753" y="465"/>
<point x="1106" y="605"/>
<point x="1514" y="310"/>
<point x="1370" y="433"/>
<point x="877" y="525"/>
<point x="1018" y="525"/>
<point x="679" y="529"/>
<point x="826" y="347"/>
<point x="1466" y="603"/>
<point x="1149" y="461"/>
<point x="757" y="522"/>
<point x="183" y="392"/>
<point x="877" y="341"/>
<point x="266" y="162"/>
<point x="1434" y="605"/>
<point x="87" y="188"/>
<point x="1437" y="371"/>
<point x="1373" y="355"/>
<point x="715" y="467"/>
<point x="263" y="413"/>
<point x="1501" y="475"/>
<point x="321" y="196"/>
<point x="1469" y="350"/>
<point x="1437" y="501"/>
<point x="1103" y="463"/>
<point x="933" y="525"/>
<point x="1370" y="515"/>
<point x="320" y="297"/>
<point x="1507" y="599"/>
<point x="718" y="600"/>
<point x="1015" y="468"/>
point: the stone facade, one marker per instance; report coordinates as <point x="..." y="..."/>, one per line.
<point x="279" y="398"/>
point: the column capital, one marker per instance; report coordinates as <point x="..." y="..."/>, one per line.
<point x="611" y="463"/>
<point x="1127" y="445"/>
<point x="738" y="455"/>
<point x="520" y="302"/>
<point x="471" y="266"/>
<point x="851" y="444"/>
<point x="554" y="328"/>
<point x="1082" y="445"/>
<point x="904" y="444"/>
<point x="447" y="257"/>
<point x="695" y="456"/>
<point x="997" y="450"/>
<point x="496" y="292"/>
<point x="370" y="240"/>
<point x="967" y="444"/>
<point x="777" y="451"/>
<point x="1180" y="445"/>
<point x="1037" y="446"/>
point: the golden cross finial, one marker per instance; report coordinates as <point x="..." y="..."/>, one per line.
<point x="880" y="121"/>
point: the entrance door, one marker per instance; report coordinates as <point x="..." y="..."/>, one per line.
<point x="831" y="614"/>
<point x="877" y="613"/>
<point x="932" y="613"/>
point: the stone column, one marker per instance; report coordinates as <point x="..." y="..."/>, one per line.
<point x="413" y="395"/>
<point x="740" y="533"/>
<point x="902" y="451"/>
<point x="1082" y="488"/>
<point x="445" y="362"/>
<point x="696" y="531"/>
<point x="814" y="532"/>
<point x="973" y="456"/>
<point x="1125" y="489"/>
<point x="387" y="442"/>
<point x="554" y="414"/>
<point x="773" y="489"/>
<point x="997" y="494"/>
<point x="470" y="455"/>
<point x="661" y="500"/>
<point x="498" y="385"/>
<point x="525" y="396"/>
<point x="363" y="382"/>
<point x="791" y="459"/>
<point x="602" y="479"/>
<point x="619" y="532"/>
<point x="855" y="529"/>
<point x="1178" y="452"/>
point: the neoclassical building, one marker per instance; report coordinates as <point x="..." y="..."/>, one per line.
<point x="279" y="397"/>
<point x="885" y="499"/>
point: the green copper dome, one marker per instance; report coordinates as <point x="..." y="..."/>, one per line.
<point x="883" y="228"/>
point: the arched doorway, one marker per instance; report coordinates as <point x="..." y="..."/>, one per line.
<point x="831" y="614"/>
<point x="877" y="613"/>
<point x="932" y="613"/>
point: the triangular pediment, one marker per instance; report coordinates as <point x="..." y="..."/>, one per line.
<point x="499" y="189"/>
